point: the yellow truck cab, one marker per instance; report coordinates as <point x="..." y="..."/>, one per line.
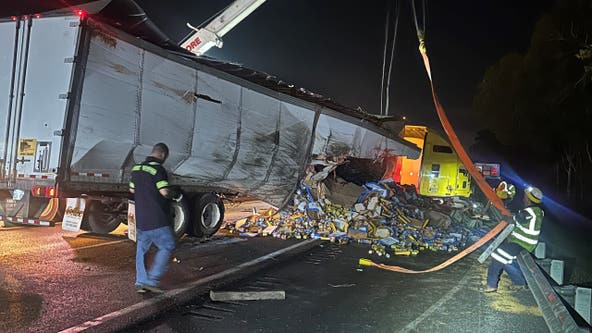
<point x="438" y="172"/>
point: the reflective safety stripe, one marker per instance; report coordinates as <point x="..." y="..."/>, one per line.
<point x="533" y="219"/>
<point x="153" y="163"/>
<point x="524" y="238"/>
<point x="141" y="167"/>
<point x="505" y="254"/>
<point x="529" y="231"/>
<point x="500" y="259"/>
<point x="132" y="185"/>
<point x="162" y="184"/>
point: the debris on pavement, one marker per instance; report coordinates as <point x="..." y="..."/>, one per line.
<point x="391" y="218"/>
<point x="247" y="295"/>
<point x="347" y="285"/>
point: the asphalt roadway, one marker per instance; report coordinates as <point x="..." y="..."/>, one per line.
<point x="326" y="291"/>
<point x="51" y="280"/>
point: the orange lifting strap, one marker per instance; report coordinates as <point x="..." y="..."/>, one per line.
<point x="464" y="157"/>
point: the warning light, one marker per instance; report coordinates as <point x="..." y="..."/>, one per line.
<point x="44" y="191"/>
<point x="25" y="17"/>
<point x="80" y="12"/>
<point x="50" y="191"/>
<point x="37" y="15"/>
<point x="13" y="18"/>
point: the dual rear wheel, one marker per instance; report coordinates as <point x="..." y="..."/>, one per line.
<point x="201" y="217"/>
<point x="203" y="220"/>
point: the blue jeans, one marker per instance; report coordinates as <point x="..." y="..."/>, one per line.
<point x="164" y="240"/>
<point x="495" y="269"/>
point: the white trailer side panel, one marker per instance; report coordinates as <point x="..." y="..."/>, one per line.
<point x="336" y="137"/>
<point x="294" y="130"/>
<point x="7" y="40"/>
<point x="217" y="124"/>
<point x="109" y="107"/>
<point x="223" y="132"/>
<point x="168" y="108"/>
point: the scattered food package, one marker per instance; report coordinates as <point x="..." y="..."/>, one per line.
<point x="392" y="219"/>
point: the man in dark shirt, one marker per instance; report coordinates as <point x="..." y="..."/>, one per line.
<point x="149" y="183"/>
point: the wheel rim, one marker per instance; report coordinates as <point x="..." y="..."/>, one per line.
<point x="210" y="215"/>
<point x="178" y="217"/>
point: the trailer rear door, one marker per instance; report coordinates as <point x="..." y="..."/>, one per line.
<point x="34" y="116"/>
<point x="9" y="33"/>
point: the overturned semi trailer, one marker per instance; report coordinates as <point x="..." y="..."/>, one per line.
<point x="90" y="101"/>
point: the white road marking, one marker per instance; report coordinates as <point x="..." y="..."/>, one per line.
<point x="412" y="326"/>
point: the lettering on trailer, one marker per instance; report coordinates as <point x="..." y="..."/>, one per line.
<point x="194" y="43"/>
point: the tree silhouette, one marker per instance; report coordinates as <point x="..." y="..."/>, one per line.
<point x="540" y="103"/>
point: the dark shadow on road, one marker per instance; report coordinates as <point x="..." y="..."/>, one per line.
<point x="18" y="310"/>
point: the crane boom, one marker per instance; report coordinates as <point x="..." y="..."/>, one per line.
<point x="211" y="35"/>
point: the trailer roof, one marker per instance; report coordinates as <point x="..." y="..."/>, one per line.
<point x="128" y="16"/>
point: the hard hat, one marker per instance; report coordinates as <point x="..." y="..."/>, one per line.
<point x="505" y="191"/>
<point x="533" y="194"/>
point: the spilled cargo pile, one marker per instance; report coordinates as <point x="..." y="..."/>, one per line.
<point x="390" y="218"/>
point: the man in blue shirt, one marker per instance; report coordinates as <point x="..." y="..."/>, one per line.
<point x="149" y="183"/>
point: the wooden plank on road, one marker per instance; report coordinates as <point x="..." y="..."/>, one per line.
<point x="246" y="295"/>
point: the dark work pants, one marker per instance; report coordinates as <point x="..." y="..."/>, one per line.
<point x="496" y="268"/>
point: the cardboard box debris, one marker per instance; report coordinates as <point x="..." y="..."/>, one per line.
<point x="392" y="218"/>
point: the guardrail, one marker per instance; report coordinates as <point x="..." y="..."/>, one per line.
<point x="549" y="298"/>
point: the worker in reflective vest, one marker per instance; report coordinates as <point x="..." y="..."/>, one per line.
<point x="505" y="191"/>
<point x="525" y="236"/>
<point x="150" y="185"/>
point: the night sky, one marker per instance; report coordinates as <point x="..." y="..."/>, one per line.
<point x="335" y="48"/>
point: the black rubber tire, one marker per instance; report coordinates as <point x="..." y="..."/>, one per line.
<point x="208" y="215"/>
<point x="99" y="218"/>
<point x="180" y="216"/>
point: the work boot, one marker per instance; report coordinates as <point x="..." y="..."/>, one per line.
<point x="140" y="289"/>
<point x="488" y="289"/>
<point x="154" y="289"/>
